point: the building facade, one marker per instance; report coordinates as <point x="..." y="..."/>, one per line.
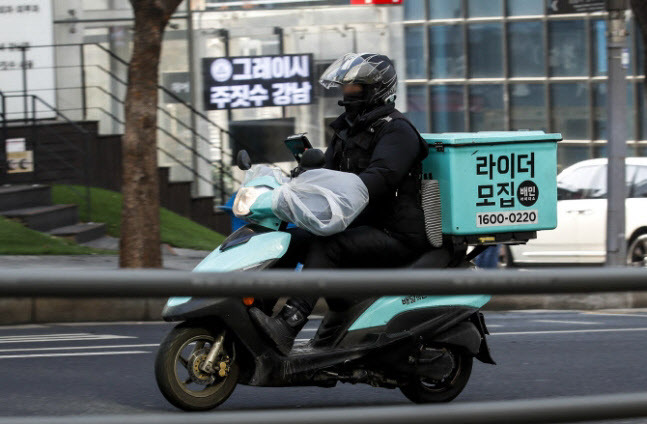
<point x="481" y="65"/>
<point x="464" y="65"/>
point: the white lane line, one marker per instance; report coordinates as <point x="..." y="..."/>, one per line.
<point x="60" y="355"/>
<point x="22" y="327"/>
<point x="108" y="323"/>
<point x="597" y="330"/>
<point x="30" y="336"/>
<point x="493" y="325"/>
<point x="608" y="314"/>
<point x="555" y="321"/>
<point x="39" y="349"/>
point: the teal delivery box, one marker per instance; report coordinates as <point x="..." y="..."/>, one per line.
<point x="494" y="182"/>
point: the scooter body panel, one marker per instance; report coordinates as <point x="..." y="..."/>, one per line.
<point x="256" y="250"/>
<point x="386" y="308"/>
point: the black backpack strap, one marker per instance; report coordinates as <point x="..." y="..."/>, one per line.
<point x="397" y="115"/>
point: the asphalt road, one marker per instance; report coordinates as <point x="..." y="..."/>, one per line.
<point x="72" y="369"/>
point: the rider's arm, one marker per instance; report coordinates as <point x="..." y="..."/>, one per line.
<point x="328" y="156"/>
<point x="394" y="156"/>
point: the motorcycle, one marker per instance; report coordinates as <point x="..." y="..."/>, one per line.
<point x="422" y="345"/>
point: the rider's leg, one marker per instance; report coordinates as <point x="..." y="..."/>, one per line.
<point x="284" y="328"/>
<point x="359" y="247"/>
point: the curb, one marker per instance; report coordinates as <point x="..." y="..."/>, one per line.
<point x="41" y="310"/>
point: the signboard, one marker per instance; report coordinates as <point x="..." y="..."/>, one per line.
<point x="558" y="7"/>
<point x="375" y="1"/>
<point x="257" y="81"/>
<point x="266" y="4"/>
<point x="179" y="83"/>
<point x="19" y="160"/>
<point x="26" y="24"/>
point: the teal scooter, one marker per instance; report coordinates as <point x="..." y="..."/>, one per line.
<point x="423" y="345"/>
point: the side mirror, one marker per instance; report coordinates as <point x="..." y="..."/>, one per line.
<point x="243" y="160"/>
<point x="312" y="159"/>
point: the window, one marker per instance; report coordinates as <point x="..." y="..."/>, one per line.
<point x="414" y="10"/>
<point x="570" y="110"/>
<point x="527" y="107"/>
<point x="639" y="186"/>
<point x="417" y="106"/>
<point x="600" y="150"/>
<point x="640" y="53"/>
<point x="524" y="7"/>
<point x="486" y="108"/>
<point x="642" y="111"/>
<point x="590" y="182"/>
<point x="480" y="8"/>
<point x="447" y="108"/>
<point x="414" y="45"/>
<point x="567" y="54"/>
<point x="599" y="47"/>
<point x="581" y="183"/>
<point x="446" y="56"/>
<point x="526" y="49"/>
<point x="600" y="111"/>
<point x="569" y="154"/>
<point x="485" y="47"/>
<point x="445" y="9"/>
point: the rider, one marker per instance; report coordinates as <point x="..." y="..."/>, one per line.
<point x="375" y="141"/>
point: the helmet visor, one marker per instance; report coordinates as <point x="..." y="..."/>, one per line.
<point x="352" y="68"/>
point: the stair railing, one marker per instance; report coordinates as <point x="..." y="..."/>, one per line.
<point x="31" y="119"/>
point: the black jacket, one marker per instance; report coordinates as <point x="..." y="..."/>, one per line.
<point x="385" y="150"/>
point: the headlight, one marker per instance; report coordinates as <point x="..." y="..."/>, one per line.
<point x="245" y="199"/>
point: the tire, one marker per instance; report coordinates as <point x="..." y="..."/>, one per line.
<point x="637" y="249"/>
<point x="169" y="367"/>
<point x="418" y="390"/>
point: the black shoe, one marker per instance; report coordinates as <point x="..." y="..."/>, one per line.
<point x="283" y="329"/>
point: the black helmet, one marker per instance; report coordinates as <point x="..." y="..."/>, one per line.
<point x="374" y="71"/>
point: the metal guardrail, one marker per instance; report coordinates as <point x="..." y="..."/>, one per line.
<point x="383" y="282"/>
<point x="540" y="411"/>
<point x="144" y="283"/>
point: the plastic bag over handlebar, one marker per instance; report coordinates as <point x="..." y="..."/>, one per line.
<point x="321" y="201"/>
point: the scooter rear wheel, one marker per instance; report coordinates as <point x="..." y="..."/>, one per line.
<point x="422" y="390"/>
<point x="178" y="370"/>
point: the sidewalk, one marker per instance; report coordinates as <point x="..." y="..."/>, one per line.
<point x="29" y="310"/>
<point x="178" y="259"/>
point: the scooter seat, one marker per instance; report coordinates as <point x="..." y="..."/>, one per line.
<point x="435" y="258"/>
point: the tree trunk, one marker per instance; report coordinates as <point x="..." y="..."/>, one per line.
<point x="140" y="220"/>
<point x="640" y="12"/>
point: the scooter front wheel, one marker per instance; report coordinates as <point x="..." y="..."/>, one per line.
<point x="423" y="390"/>
<point x="180" y="368"/>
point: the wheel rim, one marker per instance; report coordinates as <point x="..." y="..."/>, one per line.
<point x="188" y="357"/>
<point x="447" y="382"/>
<point x="637" y="252"/>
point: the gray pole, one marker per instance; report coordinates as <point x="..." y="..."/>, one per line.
<point x="617" y="134"/>
<point x="194" y="95"/>
<point x="347" y="283"/>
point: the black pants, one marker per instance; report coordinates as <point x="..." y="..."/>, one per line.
<point x="358" y="247"/>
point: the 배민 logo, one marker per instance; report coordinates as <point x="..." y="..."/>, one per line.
<point x="221" y="70"/>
